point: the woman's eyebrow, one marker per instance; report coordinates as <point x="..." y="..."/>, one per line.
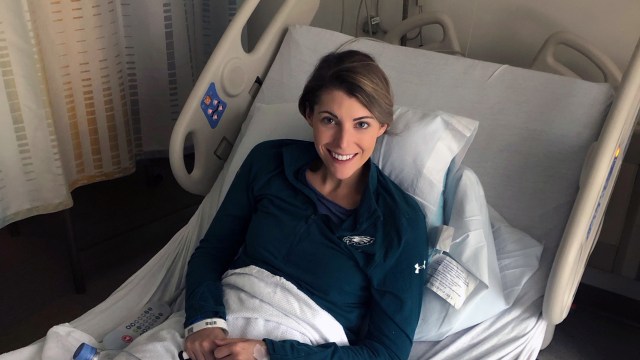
<point x="364" y="117"/>
<point x="359" y="118"/>
<point x="330" y="113"/>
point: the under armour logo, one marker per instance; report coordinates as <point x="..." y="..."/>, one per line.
<point x="420" y="267"/>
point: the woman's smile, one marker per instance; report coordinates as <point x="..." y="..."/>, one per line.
<point x="341" y="157"/>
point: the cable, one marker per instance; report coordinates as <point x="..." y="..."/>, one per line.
<point x="380" y="26"/>
<point x="357" y="17"/>
<point x="366" y="9"/>
<point x="356" y="39"/>
<point x="342" y="18"/>
<point x="473" y="22"/>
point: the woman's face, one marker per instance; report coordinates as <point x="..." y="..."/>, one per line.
<point x="344" y="132"/>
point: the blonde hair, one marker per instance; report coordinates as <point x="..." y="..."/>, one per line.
<point x="356" y="74"/>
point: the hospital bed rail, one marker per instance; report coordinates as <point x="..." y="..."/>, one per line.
<point x="235" y="74"/>
<point x="598" y="177"/>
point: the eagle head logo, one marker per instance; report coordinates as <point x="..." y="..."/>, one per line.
<point x="358" y="240"/>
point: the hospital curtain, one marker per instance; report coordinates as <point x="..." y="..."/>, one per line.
<point x="89" y="86"/>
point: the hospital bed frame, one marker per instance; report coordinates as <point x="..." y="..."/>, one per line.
<point x="237" y="73"/>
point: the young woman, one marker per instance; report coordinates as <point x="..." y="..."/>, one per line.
<point x="323" y="217"/>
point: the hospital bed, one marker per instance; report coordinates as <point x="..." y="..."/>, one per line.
<point x="547" y="151"/>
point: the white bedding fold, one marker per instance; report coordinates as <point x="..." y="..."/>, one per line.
<point x="259" y="305"/>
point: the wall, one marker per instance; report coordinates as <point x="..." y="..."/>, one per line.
<point x="511" y="31"/>
<point x="503" y="31"/>
<point x="330" y="16"/>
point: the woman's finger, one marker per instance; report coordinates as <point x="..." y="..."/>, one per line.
<point x="222" y="351"/>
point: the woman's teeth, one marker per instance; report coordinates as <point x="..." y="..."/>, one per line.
<point x="342" y="157"/>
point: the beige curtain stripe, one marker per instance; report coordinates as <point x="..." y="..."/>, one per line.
<point x="32" y="180"/>
<point x="87" y="87"/>
<point x="15" y="112"/>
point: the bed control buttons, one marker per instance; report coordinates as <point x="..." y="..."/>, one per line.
<point x="212" y="106"/>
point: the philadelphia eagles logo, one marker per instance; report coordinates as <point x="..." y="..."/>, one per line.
<point x="358" y="240"/>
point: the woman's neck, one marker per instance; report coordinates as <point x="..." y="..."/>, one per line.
<point x="346" y="192"/>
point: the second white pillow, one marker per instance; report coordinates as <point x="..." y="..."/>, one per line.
<point x="419" y="150"/>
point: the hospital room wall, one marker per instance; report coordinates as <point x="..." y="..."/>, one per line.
<point x="511" y="31"/>
<point x="502" y="31"/>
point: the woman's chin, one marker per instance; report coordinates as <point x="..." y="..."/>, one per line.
<point x="343" y="171"/>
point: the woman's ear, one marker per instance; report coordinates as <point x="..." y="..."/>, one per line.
<point x="383" y="129"/>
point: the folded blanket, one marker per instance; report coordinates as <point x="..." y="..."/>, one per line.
<point x="259" y="305"/>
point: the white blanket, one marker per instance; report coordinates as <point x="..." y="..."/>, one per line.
<point x="259" y="305"/>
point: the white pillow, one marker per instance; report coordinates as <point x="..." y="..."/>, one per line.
<point x="500" y="256"/>
<point x="418" y="151"/>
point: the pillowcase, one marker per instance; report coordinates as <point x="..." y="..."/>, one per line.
<point x="500" y="256"/>
<point x="419" y="150"/>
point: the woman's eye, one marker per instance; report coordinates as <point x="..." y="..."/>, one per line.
<point x="328" y="120"/>
<point x="362" y="125"/>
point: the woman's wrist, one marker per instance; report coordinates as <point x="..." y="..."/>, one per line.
<point x="207" y="323"/>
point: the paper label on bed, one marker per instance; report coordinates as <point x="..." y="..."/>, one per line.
<point x="450" y="280"/>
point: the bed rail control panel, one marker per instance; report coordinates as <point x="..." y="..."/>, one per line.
<point x="213" y="106"/>
<point x="151" y="315"/>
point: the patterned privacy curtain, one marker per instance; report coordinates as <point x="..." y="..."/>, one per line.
<point x="89" y="86"/>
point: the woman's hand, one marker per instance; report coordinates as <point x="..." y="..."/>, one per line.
<point x="201" y="344"/>
<point x="241" y="349"/>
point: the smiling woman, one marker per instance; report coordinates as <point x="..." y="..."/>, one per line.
<point x="322" y="218"/>
<point x="345" y="135"/>
<point x="348" y="103"/>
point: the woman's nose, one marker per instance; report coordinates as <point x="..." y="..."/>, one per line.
<point x="343" y="137"/>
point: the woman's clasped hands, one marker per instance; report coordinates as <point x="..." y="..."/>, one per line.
<point x="213" y="343"/>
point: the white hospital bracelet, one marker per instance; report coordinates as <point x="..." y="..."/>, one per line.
<point x="208" y="323"/>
